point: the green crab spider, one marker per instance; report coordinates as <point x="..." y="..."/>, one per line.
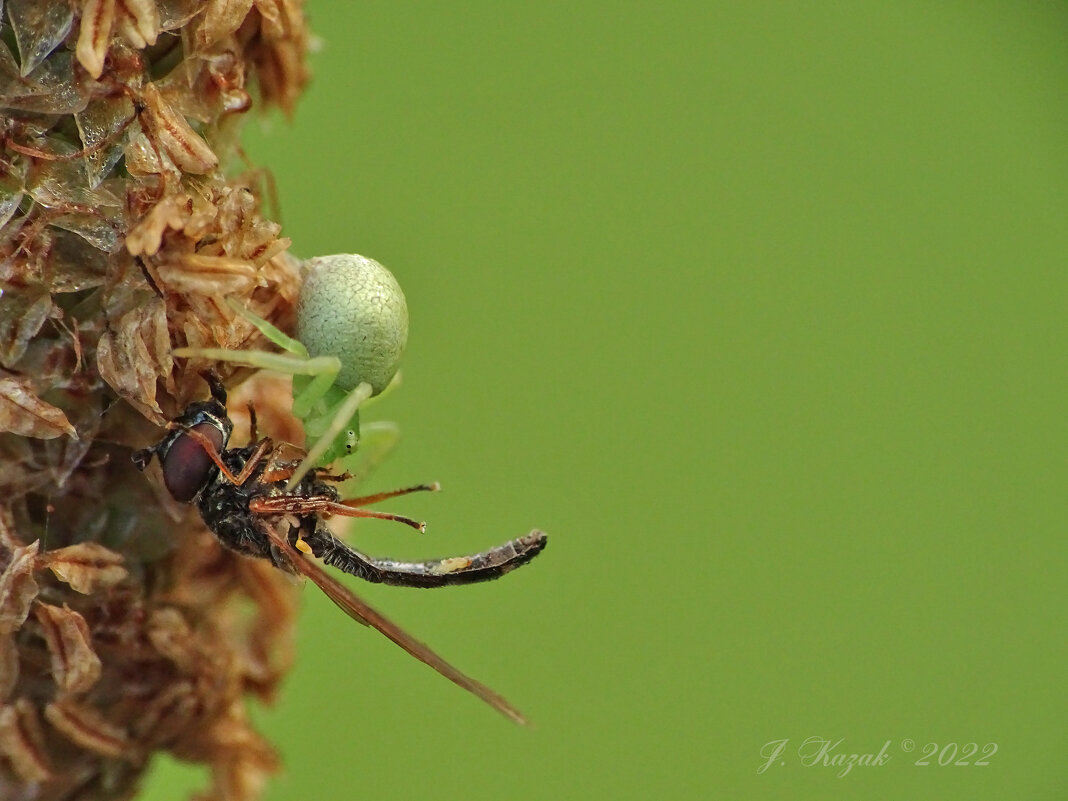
<point x="352" y="327"/>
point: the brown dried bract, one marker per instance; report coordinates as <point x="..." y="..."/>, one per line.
<point x="241" y="760"/>
<point x="18" y="588"/>
<point x="167" y="715"/>
<point x="279" y="53"/>
<point x="171" y="213"/>
<point x="186" y="148"/>
<point x="87" y="567"/>
<point x="223" y="274"/>
<point x="171" y="636"/>
<point x="85" y="726"/>
<point x="221" y="18"/>
<point x="269" y="653"/>
<point x="135" y="353"/>
<point x="9" y="540"/>
<point x="23" y="413"/>
<point x="22" y="741"/>
<point x="75" y="665"/>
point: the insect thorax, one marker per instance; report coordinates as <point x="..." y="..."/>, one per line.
<point x="224" y="506"/>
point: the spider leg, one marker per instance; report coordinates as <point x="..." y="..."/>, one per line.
<point x="276" y="468"/>
<point x="343" y="415"/>
<point x="337" y="478"/>
<point x="265" y="360"/>
<point x="272" y="333"/>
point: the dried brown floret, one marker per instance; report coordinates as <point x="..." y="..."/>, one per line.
<point x="23" y="413"/>
<point x="87" y="567"/>
<point x="133" y="355"/>
<point x="170" y="213"/>
<point x="222" y="274"/>
<point x="97" y="16"/>
<point x="279" y="53"/>
<point x="85" y="726"/>
<point x="18" y="588"/>
<point x="241" y="760"/>
<point x="269" y="651"/>
<point x="166" y="716"/>
<point x="186" y="148"/>
<point x="75" y="665"/>
<point x="221" y="18"/>
<point x="22" y="741"/>
<point x="139" y="22"/>
<point x="172" y="637"/>
<point x="9" y="540"/>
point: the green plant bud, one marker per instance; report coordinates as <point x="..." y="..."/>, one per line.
<point x="353" y="308"/>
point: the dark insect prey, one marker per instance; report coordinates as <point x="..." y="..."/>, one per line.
<point x="242" y="497"/>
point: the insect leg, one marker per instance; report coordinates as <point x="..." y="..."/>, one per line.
<point x="253" y="434"/>
<point x="367" y="500"/>
<point x="262" y="447"/>
<point x="321" y="504"/>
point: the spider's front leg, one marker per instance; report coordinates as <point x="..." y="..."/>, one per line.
<point x="313" y="377"/>
<point x="336" y="431"/>
<point x="328" y="412"/>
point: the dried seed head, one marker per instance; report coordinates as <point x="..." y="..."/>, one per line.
<point x="124" y="627"/>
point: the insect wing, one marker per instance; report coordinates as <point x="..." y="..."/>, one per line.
<point x="360" y="611"/>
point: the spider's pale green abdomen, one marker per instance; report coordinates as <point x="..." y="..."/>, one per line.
<point x="353" y="308"/>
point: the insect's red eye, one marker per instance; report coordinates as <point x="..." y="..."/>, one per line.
<point x="186" y="466"/>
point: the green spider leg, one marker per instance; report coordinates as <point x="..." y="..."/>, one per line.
<point x="329" y="413"/>
<point x="341" y="433"/>
<point x="313" y="377"/>
<point x="311" y="386"/>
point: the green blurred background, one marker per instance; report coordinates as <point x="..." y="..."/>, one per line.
<point x="759" y="310"/>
